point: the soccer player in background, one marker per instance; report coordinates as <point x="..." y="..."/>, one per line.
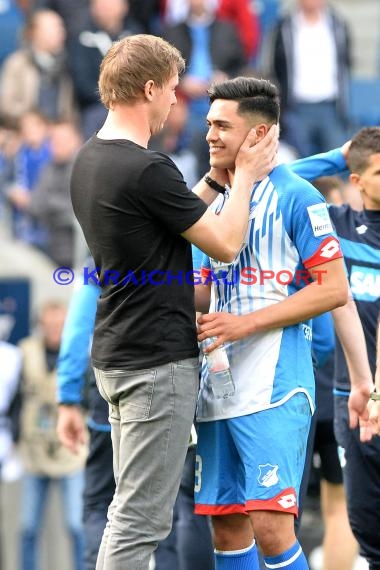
<point x="359" y="235"/>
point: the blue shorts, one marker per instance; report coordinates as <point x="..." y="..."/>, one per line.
<point x="253" y="462"/>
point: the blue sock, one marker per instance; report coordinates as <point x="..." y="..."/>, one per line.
<point x="245" y="559"/>
<point x="292" y="559"/>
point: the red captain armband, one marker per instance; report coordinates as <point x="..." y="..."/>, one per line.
<point x="328" y="250"/>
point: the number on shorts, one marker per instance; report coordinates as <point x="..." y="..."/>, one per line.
<point x="198" y="473"/>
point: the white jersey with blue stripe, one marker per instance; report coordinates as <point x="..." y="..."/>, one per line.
<point x="289" y="233"/>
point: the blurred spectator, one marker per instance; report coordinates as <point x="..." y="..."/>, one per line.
<point x="172" y="140"/>
<point x="147" y="13"/>
<point x="36" y="76"/>
<point x="31" y="157"/>
<point x="109" y="22"/>
<point x="241" y="13"/>
<point x="286" y="153"/>
<point x="74" y="13"/>
<point x="50" y="202"/>
<point x="11" y="23"/>
<point x="268" y="12"/>
<point x="25" y="5"/>
<point x="331" y="188"/>
<point x="213" y="52"/>
<point x="45" y="460"/>
<point x="10" y="141"/>
<point x="174" y="12"/>
<point x="311" y="64"/>
<point x="10" y="358"/>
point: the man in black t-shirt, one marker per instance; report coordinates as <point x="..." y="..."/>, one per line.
<point x="138" y="218"/>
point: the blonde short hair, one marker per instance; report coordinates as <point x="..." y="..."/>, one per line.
<point x="133" y="61"/>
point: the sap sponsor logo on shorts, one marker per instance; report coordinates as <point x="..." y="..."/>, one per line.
<point x="320" y="219"/>
<point x="287" y="501"/>
<point x="268" y="475"/>
<point x="365" y="283"/>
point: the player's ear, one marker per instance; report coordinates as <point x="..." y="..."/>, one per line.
<point x="261" y="131"/>
<point x="355" y="180"/>
<point x="149" y="89"/>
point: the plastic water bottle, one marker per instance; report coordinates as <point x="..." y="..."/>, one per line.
<point x="219" y="373"/>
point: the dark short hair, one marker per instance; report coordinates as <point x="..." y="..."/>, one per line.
<point x="254" y="96"/>
<point x="363" y="145"/>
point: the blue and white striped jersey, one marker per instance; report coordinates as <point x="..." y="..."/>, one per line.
<point x="289" y="235"/>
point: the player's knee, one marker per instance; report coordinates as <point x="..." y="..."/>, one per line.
<point x="232" y="532"/>
<point x="274" y="531"/>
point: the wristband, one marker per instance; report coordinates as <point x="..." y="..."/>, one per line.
<point x="375" y="396"/>
<point x="214" y="184"/>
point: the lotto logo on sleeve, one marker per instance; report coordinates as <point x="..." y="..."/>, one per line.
<point x="319" y="219"/>
<point x="329" y="249"/>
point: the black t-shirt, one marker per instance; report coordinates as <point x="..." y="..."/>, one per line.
<point x="132" y="204"/>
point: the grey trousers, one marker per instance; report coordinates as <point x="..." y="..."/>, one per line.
<point x="151" y="413"/>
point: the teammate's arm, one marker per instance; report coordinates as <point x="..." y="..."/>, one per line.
<point x="202" y="292"/>
<point x="328" y="290"/>
<point x="202" y="297"/>
<point x="350" y="332"/>
<point x="374" y="406"/>
<point x="323" y="164"/>
<point x="73" y="361"/>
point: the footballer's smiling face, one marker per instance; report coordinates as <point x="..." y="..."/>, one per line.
<point x="227" y="129"/>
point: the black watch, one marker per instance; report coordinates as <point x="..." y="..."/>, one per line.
<point x="214" y="184"/>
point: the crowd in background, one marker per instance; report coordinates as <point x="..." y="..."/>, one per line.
<point x="50" y="53"/>
<point x="49" y="104"/>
